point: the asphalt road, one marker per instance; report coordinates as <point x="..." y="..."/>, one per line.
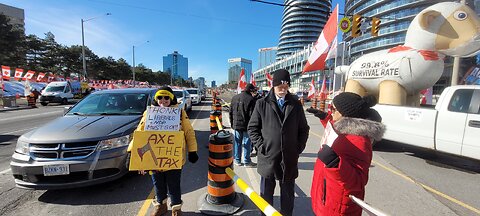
<point x="403" y="180"/>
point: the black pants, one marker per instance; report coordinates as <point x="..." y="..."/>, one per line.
<point x="168" y="182"/>
<point x="287" y="194"/>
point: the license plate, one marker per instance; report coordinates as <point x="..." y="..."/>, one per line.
<point x="58" y="169"/>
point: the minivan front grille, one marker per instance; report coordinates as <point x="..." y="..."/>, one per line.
<point x="62" y="150"/>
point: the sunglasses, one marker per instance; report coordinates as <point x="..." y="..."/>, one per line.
<point x="163" y="97"/>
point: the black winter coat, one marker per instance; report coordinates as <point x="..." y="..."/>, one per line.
<point x="279" y="137"/>
<point x="241" y="109"/>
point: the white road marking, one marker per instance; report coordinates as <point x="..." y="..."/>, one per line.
<point x="13" y="132"/>
<point x="5" y="171"/>
<point x="32" y="115"/>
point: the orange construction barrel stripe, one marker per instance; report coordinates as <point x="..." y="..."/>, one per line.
<point x="219" y="192"/>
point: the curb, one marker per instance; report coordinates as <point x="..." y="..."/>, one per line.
<point x="14" y="108"/>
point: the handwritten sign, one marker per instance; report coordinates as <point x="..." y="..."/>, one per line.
<point x="163" y="119"/>
<point x="413" y="115"/>
<point x="376" y="69"/>
<point x="157" y="150"/>
<point x="329" y="135"/>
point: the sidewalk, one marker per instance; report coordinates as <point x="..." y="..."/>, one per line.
<point x="21" y="104"/>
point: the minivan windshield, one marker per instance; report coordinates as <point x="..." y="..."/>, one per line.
<point x="54" y="88"/>
<point x="111" y="104"/>
<point x="178" y="94"/>
<point x="192" y="91"/>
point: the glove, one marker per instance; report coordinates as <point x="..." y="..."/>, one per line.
<point x="317" y="113"/>
<point x="328" y="157"/>
<point x="192" y="157"/>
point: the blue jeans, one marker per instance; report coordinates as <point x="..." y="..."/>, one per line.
<point x="242" y="140"/>
<point x="168" y="181"/>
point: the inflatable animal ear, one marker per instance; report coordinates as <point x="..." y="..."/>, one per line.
<point x="427" y="19"/>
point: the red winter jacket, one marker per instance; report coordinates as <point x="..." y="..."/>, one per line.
<point x="332" y="186"/>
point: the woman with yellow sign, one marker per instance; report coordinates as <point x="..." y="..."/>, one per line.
<point x="168" y="181"/>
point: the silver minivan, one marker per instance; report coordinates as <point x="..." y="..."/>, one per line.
<point x="86" y="146"/>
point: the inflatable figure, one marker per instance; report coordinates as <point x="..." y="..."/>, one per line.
<point x="397" y="75"/>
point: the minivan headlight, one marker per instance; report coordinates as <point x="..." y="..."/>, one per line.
<point x="114" y="142"/>
<point x="22" y="146"/>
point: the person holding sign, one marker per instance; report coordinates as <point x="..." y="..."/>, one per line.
<point x="345" y="156"/>
<point x="159" y="118"/>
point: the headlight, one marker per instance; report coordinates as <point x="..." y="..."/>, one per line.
<point x="114" y="142"/>
<point x="22" y="146"/>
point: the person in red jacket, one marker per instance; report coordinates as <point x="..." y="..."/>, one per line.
<point x="344" y="159"/>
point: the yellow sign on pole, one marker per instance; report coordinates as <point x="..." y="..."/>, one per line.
<point x="344" y="24"/>
<point x="157" y="150"/>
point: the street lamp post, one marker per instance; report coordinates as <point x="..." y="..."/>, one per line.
<point x="83" y="44"/>
<point x="133" y="62"/>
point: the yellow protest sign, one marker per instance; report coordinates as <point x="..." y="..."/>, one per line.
<point x="157" y="150"/>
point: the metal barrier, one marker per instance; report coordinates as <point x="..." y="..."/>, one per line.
<point x="367" y="208"/>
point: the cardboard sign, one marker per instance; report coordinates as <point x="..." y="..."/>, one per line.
<point x="157" y="150"/>
<point x="329" y="136"/>
<point x="163" y="119"/>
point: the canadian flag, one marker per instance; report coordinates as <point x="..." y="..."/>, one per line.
<point x="29" y="75"/>
<point x="6" y="72"/>
<point x="40" y="76"/>
<point x="269" y="80"/>
<point x="323" y="90"/>
<point x="51" y="77"/>
<point x="311" y="91"/>
<point x="316" y="60"/>
<point x="18" y="73"/>
<point x="60" y="78"/>
<point x="332" y="51"/>
<point x="252" y="80"/>
<point x="242" y="82"/>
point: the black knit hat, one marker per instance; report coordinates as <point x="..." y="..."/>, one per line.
<point x="250" y="88"/>
<point x="281" y="76"/>
<point x="353" y="105"/>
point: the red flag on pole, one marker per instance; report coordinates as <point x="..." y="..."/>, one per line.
<point x="316" y="60"/>
<point x="311" y="91"/>
<point x="323" y="90"/>
<point x="29" y="75"/>
<point x="242" y="81"/>
<point x="6" y="72"/>
<point x="269" y="80"/>
<point x="40" y="76"/>
<point x="18" y="73"/>
<point x="252" y="80"/>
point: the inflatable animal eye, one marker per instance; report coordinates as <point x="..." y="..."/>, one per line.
<point x="460" y="15"/>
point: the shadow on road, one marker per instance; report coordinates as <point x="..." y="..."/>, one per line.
<point x="130" y="188"/>
<point x="5" y="139"/>
<point x="434" y="158"/>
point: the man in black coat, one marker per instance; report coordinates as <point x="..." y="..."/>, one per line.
<point x="241" y="109"/>
<point x="279" y="130"/>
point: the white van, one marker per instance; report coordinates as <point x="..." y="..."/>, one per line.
<point x="195" y="95"/>
<point x="57" y="92"/>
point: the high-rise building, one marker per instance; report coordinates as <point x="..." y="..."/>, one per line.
<point x="176" y="64"/>
<point x="200" y="83"/>
<point x="16" y="15"/>
<point x="235" y="66"/>
<point x="266" y="56"/>
<point x="214" y="84"/>
<point x="302" y="23"/>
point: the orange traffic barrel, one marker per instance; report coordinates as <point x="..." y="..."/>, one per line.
<point x="314" y="102"/>
<point x="31" y="101"/>
<point x="213" y="121"/>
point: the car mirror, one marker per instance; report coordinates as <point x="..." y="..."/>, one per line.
<point x="66" y="109"/>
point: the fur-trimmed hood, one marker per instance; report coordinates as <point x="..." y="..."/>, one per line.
<point x="361" y="127"/>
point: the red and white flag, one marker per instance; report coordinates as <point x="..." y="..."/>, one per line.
<point x="323" y="90"/>
<point x="60" y="78"/>
<point x="269" y="80"/>
<point x="316" y="60"/>
<point x="332" y="51"/>
<point x="18" y="73"/>
<point x="29" y="75"/>
<point x="6" y="72"/>
<point x="311" y="91"/>
<point x="40" y="76"/>
<point x="252" y="80"/>
<point x="242" y="82"/>
<point x="51" y="77"/>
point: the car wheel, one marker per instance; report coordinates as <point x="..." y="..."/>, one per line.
<point x="44" y="103"/>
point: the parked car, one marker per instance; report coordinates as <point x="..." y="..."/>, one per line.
<point x="195" y="95"/>
<point x="183" y="99"/>
<point x="86" y="146"/>
<point x="304" y="95"/>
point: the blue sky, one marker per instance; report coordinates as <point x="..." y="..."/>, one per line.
<point x="207" y="32"/>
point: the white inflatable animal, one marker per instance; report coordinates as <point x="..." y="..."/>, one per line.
<point x="397" y="75"/>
